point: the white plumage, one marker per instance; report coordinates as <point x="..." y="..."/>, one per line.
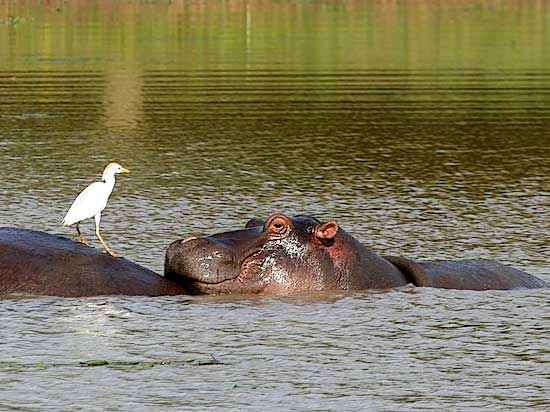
<point x="91" y="202"/>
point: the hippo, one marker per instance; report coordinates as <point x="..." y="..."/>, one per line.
<point x="283" y="255"/>
<point x="38" y="263"/>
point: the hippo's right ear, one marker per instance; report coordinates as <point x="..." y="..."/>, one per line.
<point x="327" y="230"/>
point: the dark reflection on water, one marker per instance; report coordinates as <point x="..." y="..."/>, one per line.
<point x="429" y="141"/>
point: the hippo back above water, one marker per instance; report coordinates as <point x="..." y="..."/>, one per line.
<point x="38" y="263"/>
<point x="291" y="255"/>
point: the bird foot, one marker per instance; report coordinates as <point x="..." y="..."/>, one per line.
<point x="84" y="242"/>
<point x="108" y="252"/>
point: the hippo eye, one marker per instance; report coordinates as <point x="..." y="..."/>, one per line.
<point x="277" y="225"/>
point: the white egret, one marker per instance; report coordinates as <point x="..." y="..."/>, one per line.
<point x="91" y="202"/>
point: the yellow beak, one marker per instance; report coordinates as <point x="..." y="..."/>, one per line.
<point x="124" y="170"/>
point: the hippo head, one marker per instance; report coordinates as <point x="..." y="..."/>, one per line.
<point x="277" y="256"/>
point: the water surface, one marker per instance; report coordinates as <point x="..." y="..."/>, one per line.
<point x="421" y="128"/>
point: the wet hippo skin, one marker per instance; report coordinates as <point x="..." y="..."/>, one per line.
<point x="284" y="255"/>
<point x="277" y="256"/>
<point x="37" y="263"/>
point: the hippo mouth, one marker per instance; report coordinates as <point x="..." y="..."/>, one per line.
<point x="200" y="264"/>
<point x="222" y="281"/>
<point x="221" y="276"/>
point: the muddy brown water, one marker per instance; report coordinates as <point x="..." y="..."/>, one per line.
<point x="422" y="128"/>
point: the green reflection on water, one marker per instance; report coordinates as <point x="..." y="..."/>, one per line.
<point x="247" y="34"/>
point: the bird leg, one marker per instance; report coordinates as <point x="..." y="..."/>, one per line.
<point x="105" y="244"/>
<point x="82" y="240"/>
<point x="97" y="219"/>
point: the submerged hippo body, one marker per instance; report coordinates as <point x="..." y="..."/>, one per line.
<point x="284" y="255"/>
<point x="37" y="263"/>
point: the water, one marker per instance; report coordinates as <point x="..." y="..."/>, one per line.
<point x="422" y="129"/>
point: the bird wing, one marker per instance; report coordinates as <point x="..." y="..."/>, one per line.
<point x="88" y="203"/>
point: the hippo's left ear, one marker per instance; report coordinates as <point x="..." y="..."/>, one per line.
<point x="254" y="223"/>
<point x="327" y="230"/>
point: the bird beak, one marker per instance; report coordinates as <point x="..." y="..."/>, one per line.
<point x="124" y="170"/>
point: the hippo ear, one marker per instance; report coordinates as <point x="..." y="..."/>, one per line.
<point x="254" y="223"/>
<point x="327" y="230"/>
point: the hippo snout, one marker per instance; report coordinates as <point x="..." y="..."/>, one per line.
<point x="172" y="250"/>
<point x="200" y="259"/>
<point x="180" y="255"/>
